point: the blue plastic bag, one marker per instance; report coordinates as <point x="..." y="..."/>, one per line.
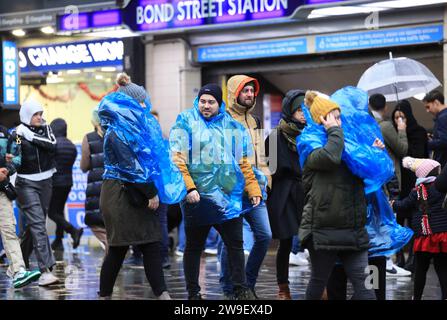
<point x="214" y="148"/>
<point x="141" y="155"/>
<point x="386" y="236"/>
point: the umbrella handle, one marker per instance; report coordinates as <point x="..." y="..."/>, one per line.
<point x="395" y="90"/>
<point x="394" y="85"/>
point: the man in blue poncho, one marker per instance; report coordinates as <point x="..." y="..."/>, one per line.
<point x="210" y="149"/>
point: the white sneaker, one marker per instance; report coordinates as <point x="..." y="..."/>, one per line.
<point x="102" y="245"/>
<point x="164" y="296"/>
<point x="302" y="255"/>
<point x="394" y="271"/>
<point x="47" y="278"/>
<point x="298" y="259"/>
<point x="306" y="253"/>
<point x="247" y="252"/>
<point x="179" y="253"/>
<point x="211" y="251"/>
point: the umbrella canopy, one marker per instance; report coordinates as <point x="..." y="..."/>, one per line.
<point x="398" y="79"/>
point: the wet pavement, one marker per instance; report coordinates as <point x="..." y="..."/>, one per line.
<point x="79" y="270"/>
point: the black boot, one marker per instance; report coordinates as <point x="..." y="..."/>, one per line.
<point x="410" y="262"/>
<point x="243" y="294"/>
<point x="400" y="259"/>
<point x="197" y="296"/>
<point x="57" y="245"/>
<point x="76" y="236"/>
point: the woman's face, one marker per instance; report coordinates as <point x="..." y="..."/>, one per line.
<point x="298" y="115"/>
<point x="399" y="115"/>
<point x="36" y="120"/>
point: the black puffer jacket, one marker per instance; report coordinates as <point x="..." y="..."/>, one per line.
<point x="437" y="216"/>
<point x="38" y="155"/>
<point x="93" y="216"/>
<point x="65" y="154"/>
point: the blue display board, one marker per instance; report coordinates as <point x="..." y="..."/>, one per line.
<point x="253" y="50"/>
<point x="379" y="38"/>
<point x="10" y="75"/>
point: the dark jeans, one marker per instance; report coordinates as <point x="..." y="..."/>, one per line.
<point x="231" y="233"/>
<point x="162" y="212"/>
<point x="323" y="261"/>
<point x="422" y="263"/>
<point x="282" y="260"/>
<point x="337" y="284"/>
<point x="152" y="267"/>
<point x="56" y="211"/>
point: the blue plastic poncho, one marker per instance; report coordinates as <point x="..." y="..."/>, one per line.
<point x="134" y="148"/>
<point x="360" y="130"/>
<point x="214" y="148"/>
<point x="371" y="164"/>
<point x="386" y="236"/>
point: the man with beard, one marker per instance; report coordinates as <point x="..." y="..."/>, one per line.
<point x="242" y="93"/>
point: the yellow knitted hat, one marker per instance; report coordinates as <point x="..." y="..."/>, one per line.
<point x="319" y="106"/>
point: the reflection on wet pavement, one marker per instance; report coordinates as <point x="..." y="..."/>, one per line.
<point x="79" y="270"/>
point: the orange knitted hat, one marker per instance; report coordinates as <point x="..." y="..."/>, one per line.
<point x="319" y="106"/>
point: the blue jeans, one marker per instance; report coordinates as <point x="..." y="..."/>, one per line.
<point x="259" y="223"/>
<point x="211" y="241"/>
<point x="249" y="238"/>
<point x="296" y="245"/>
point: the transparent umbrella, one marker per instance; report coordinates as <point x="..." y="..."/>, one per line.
<point x="398" y="78"/>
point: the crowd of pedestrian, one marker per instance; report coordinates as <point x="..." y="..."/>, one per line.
<point x="305" y="186"/>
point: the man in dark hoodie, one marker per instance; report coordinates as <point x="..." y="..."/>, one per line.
<point x="62" y="182"/>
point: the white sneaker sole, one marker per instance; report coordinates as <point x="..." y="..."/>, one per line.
<point x="46" y="284"/>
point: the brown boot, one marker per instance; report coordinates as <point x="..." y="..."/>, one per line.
<point x="324" y="296"/>
<point x="284" y="291"/>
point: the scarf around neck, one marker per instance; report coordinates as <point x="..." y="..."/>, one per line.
<point x="290" y="131"/>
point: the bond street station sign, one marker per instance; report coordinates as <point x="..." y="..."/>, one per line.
<point x="151" y="15"/>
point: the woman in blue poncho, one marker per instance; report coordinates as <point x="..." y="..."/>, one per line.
<point x="128" y="195"/>
<point x="334" y="214"/>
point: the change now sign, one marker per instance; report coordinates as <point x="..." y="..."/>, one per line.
<point x="76" y="55"/>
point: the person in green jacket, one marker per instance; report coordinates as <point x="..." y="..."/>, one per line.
<point x="396" y="141"/>
<point x="334" y="214"/>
